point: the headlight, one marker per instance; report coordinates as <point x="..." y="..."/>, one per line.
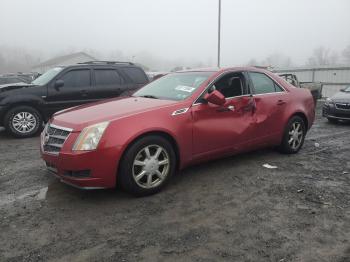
<point x="90" y="137"/>
<point x="329" y="101"/>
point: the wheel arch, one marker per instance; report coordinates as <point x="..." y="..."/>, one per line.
<point x="161" y="133"/>
<point x="33" y="104"/>
<point x="303" y="116"/>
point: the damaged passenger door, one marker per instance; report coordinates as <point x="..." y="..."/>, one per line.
<point x="226" y="127"/>
<point x="270" y="101"/>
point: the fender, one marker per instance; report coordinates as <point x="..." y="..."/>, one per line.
<point x="166" y="132"/>
<point x="303" y="107"/>
<point x="24" y="99"/>
<point x="179" y="128"/>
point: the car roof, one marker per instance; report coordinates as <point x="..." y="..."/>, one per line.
<point x="224" y="69"/>
<point x="101" y="64"/>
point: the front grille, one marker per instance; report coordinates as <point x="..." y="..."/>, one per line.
<point x="344" y="106"/>
<point x="54" y="138"/>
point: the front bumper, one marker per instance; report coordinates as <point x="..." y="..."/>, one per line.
<point x="83" y="169"/>
<point x="331" y="111"/>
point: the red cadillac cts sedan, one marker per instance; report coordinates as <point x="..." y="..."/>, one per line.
<point x="183" y="118"/>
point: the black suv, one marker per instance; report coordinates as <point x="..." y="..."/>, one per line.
<point x="24" y="107"/>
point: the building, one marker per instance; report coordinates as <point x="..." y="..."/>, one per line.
<point x="62" y="61"/>
<point x="333" y="78"/>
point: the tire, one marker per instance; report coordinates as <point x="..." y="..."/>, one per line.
<point x="141" y="173"/>
<point x="332" y="120"/>
<point x="16" y="128"/>
<point x="294" y="136"/>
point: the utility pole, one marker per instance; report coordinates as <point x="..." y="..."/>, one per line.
<point x="219" y="33"/>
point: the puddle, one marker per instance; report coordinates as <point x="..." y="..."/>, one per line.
<point x="34" y="195"/>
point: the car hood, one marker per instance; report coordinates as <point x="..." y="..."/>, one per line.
<point x="341" y="97"/>
<point x="7" y="87"/>
<point x="82" y="116"/>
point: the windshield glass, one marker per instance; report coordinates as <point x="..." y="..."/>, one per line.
<point x="347" y="89"/>
<point x="46" y="77"/>
<point x="177" y="86"/>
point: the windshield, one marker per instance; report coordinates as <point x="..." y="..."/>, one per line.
<point x="347" y="89"/>
<point x="177" y="86"/>
<point x="46" y="77"/>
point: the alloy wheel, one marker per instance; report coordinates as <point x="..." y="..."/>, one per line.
<point x="295" y="135"/>
<point x="24" y="122"/>
<point x="151" y="166"/>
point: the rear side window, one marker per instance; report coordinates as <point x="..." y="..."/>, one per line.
<point x="76" y="78"/>
<point x="263" y="84"/>
<point x="104" y="77"/>
<point x="135" y="74"/>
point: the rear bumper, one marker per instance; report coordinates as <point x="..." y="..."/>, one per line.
<point x="330" y="111"/>
<point x="85" y="169"/>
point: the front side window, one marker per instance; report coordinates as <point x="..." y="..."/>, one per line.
<point x="104" y="77"/>
<point x="176" y="86"/>
<point x="76" y="78"/>
<point x="230" y="85"/>
<point x="263" y="84"/>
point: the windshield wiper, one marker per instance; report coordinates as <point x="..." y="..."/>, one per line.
<point x="150" y="96"/>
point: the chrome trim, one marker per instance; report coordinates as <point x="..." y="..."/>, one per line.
<point x="180" y="111"/>
<point x="54" y="136"/>
<point x="61" y="127"/>
<point x="232" y="108"/>
<point x="227" y="99"/>
<point x="59" y="137"/>
<point x="272" y="93"/>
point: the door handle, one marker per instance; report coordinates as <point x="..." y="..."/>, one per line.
<point x="280" y="102"/>
<point x="232" y="108"/>
<point x="226" y="109"/>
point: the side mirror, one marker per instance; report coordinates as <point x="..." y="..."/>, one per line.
<point x="59" y="83"/>
<point x="215" y="97"/>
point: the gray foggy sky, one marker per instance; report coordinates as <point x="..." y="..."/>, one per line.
<point x="178" y="29"/>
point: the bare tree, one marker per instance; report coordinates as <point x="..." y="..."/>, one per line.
<point x="323" y="56"/>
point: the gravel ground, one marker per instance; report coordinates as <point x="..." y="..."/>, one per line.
<point x="227" y="210"/>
